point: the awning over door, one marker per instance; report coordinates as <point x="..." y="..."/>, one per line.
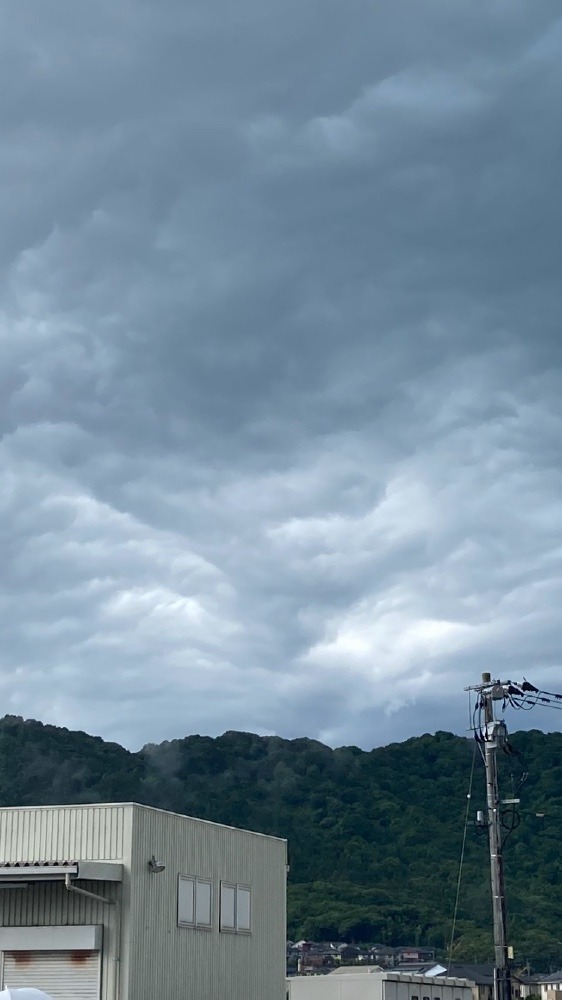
<point x="21" y="872"/>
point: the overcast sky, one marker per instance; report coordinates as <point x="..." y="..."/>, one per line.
<point x="280" y="380"/>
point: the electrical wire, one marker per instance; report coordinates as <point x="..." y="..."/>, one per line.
<point x="526" y="696"/>
<point x="522" y="697"/>
<point x="463" y="846"/>
<point x="487" y="728"/>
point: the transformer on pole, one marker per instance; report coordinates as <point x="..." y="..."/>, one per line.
<point x="492" y="735"/>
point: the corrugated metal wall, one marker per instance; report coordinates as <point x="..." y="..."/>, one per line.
<point x="64" y="833"/>
<point x="170" y="962"/>
<point x="52" y="905"/>
<point x="86" y="833"/>
<point x="367" y="986"/>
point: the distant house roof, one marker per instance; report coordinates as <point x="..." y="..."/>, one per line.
<point x="419" y="968"/>
<point x="480" y="974"/>
<point x="346" y="970"/>
<point x="553" y="977"/>
<point x="405" y="949"/>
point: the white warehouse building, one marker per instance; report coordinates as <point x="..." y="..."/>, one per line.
<point x="126" y="902"/>
<point x="370" y="983"/>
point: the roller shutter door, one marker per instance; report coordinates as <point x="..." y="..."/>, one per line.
<point x="64" y="975"/>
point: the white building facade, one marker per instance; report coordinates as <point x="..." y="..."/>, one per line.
<point x="550" y="987"/>
<point x="385" y="985"/>
<point x="125" y="902"/>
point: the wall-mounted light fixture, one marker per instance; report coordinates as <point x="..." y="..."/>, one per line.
<point x="156" y="866"/>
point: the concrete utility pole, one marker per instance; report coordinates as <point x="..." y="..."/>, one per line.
<point x="493" y="734"/>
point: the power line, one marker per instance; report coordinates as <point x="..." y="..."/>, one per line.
<point x="459" y="879"/>
<point x="490" y="733"/>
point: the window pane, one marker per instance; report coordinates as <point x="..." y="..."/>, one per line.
<point x="228" y="896"/>
<point x="186" y="900"/>
<point x="243" y="908"/>
<point x="203" y="903"/>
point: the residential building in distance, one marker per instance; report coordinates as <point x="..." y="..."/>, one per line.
<point x="550" y="987"/>
<point x="481" y="975"/>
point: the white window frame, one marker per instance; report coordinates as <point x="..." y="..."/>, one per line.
<point x="227" y="928"/>
<point x="195" y="882"/>
<point x="235" y="928"/>
<point x="248" y="929"/>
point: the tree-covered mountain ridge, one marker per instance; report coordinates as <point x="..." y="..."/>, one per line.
<point x="374" y="836"/>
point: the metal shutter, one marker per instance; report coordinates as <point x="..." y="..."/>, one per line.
<point x="64" y="975"/>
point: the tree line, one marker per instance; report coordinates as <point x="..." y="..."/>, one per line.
<point x="374" y="836"/>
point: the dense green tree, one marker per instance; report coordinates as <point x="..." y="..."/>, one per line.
<point x="374" y="837"/>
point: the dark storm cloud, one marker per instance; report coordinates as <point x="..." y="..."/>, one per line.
<point x="280" y="382"/>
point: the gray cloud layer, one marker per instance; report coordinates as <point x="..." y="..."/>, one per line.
<point x="280" y="390"/>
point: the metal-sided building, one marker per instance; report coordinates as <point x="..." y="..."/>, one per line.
<point x="362" y="984"/>
<point x="126" y="902"/>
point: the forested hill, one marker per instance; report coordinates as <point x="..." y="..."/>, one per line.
<point x="374" y="837"/>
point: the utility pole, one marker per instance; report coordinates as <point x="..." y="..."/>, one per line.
<point x="492" y="735"/>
